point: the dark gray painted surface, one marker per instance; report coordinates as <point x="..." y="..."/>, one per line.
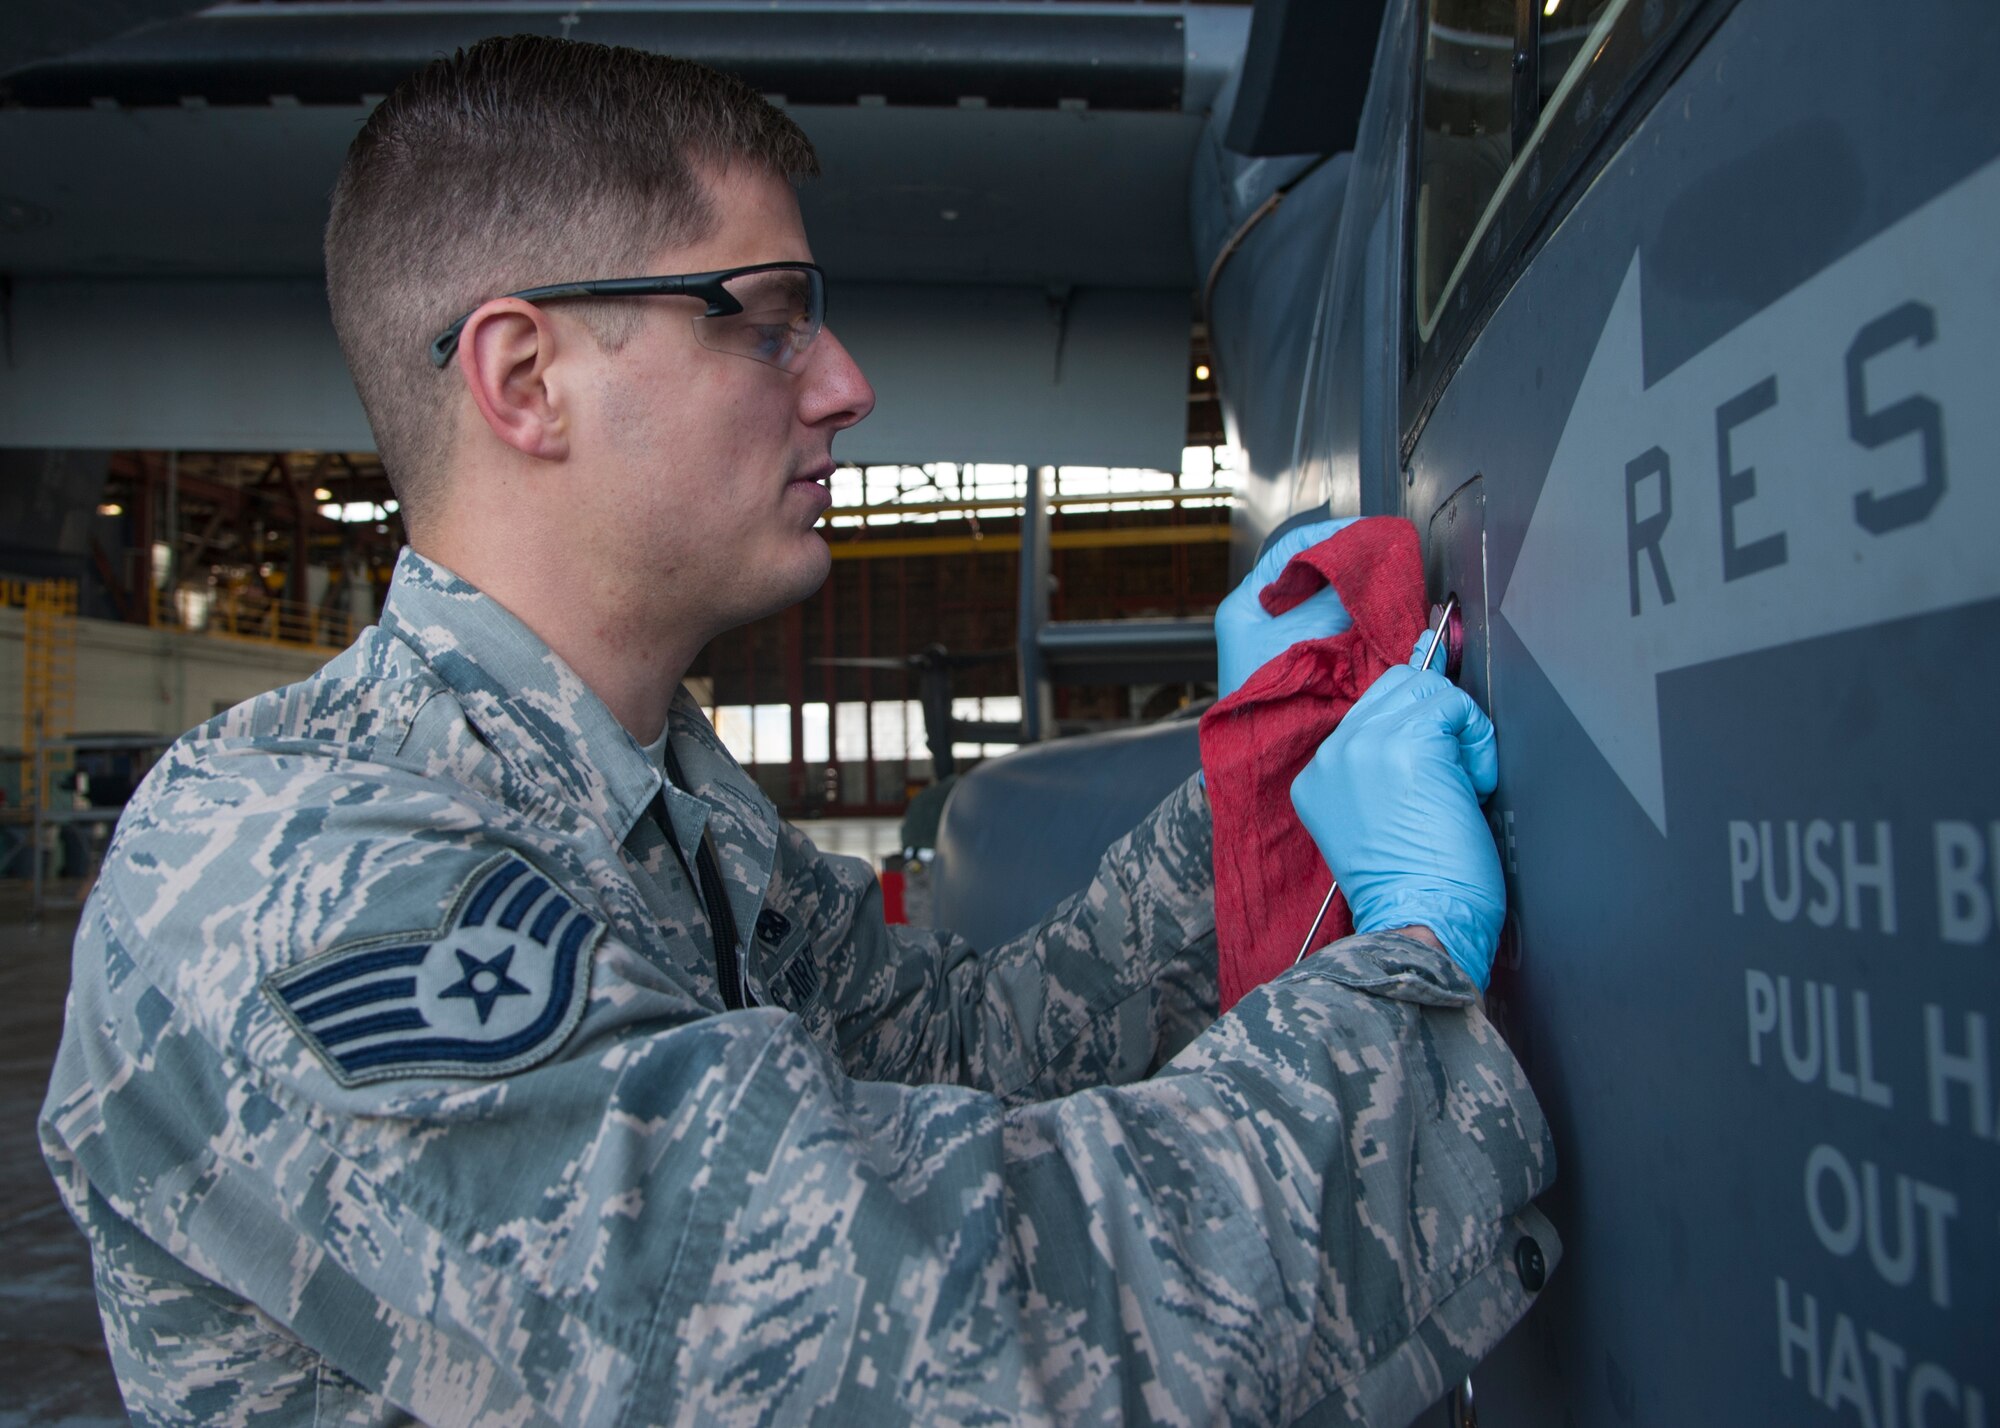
<point x="1262" y="307"/>
<point x="1022" y="833"/>
<point x="1808" y="173"/>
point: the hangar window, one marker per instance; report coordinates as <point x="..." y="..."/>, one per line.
<point x="941" y="493"/>
<point x="755" y="733"/>
<point x="884" y="729"/>
<point x="991" y="709"/>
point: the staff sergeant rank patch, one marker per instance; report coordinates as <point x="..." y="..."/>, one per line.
<point x="498" y="986"/>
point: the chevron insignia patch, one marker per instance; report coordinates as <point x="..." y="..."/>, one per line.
<point x="499" y="986"/>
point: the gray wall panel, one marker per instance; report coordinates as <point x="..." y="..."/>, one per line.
<point x="1006" y="374"/>
<point x="203" y="365"/>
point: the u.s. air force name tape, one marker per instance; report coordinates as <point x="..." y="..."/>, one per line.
<point x="498" y="986"/>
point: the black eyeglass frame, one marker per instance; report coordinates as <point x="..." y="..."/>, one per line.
<point x="708" y="286"/>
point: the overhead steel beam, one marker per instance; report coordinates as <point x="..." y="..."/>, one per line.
<point x="1008" y="542"/>
<point x="1039" y="56"/>
<point x="961" y="372"/>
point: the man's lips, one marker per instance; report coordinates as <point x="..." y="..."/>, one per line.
<point x="817" y="480"/>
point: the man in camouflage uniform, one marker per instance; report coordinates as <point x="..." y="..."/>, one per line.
<point x="459" y="1035"/>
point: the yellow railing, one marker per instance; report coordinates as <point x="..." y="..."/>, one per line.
<point x="871" y="547"/>
<point x="250" y="614"/>
<point x="1011" y="505"/>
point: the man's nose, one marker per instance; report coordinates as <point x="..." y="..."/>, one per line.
<point x="835" y="390"/>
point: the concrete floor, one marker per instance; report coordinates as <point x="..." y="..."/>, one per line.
<point x="53" y="1368"/>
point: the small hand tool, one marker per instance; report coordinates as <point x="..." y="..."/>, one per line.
<point x="1437" y="637"/>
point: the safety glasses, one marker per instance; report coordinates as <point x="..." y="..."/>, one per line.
<point x="768" y="312"/>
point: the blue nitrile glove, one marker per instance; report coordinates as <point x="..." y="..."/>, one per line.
<point x="1392" y="799"/>
<point x="1246" y="638"/>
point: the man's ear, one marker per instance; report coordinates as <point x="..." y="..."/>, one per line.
<point x="504" y="354"/>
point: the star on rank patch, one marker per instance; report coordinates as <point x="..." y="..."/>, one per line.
<point x="498" y="986"/>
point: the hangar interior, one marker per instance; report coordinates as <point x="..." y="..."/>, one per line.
<point x="1012" y="264"/>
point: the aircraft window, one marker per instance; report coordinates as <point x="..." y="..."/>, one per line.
<point x="1517" y="100"/>
<point x="1478" y="132"/>
<point x="1467" y="139"/>
<point x="1566" y="24"/>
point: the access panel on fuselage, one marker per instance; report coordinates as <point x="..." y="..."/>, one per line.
<point x="1737" y="431"/>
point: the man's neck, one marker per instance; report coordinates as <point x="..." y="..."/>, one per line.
<point x="600" y="630"/>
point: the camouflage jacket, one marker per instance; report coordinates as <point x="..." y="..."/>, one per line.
<point x="397" y="1081"/>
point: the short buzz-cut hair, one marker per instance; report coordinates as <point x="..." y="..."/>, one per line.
<point x="518" y="162"/>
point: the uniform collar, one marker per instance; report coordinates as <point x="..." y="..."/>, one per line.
<point x="520" y="696"/>
<point x="539" y="715"/>
<point x="743" y="822"/>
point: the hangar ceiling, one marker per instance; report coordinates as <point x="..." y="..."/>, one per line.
<point x="1038" y="151"/>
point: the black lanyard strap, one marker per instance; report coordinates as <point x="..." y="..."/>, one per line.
<point x="714" y="900"/>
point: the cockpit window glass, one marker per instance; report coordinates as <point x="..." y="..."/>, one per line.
<point x="1468" y="74"/>
<point x="1522" y="103"/>
<point x="1565" y="29"/>
<point x="1467" y="162"/>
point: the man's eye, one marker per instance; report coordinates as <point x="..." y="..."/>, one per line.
<point x="773" y="334"/>
<point x="776" y="326"/>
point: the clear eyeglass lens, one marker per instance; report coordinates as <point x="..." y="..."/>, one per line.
<point x="782" y="314"/>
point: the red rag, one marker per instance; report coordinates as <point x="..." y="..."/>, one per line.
<point x="1269" y="875"/>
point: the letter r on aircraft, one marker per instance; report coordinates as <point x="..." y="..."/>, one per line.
<point x="1645" y="534"/>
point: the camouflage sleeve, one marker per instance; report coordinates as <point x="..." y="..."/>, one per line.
<point x="1102" y="991"/>
<point x="1315" y="1210"/>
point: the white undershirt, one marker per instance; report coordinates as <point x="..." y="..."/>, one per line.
<point x="657" y="750"/>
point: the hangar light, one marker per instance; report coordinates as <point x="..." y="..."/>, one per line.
<point x="358" y="512"/>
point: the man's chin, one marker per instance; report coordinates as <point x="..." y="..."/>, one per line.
<point x="795" y="576"/>
<point x="818" y="568"/>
